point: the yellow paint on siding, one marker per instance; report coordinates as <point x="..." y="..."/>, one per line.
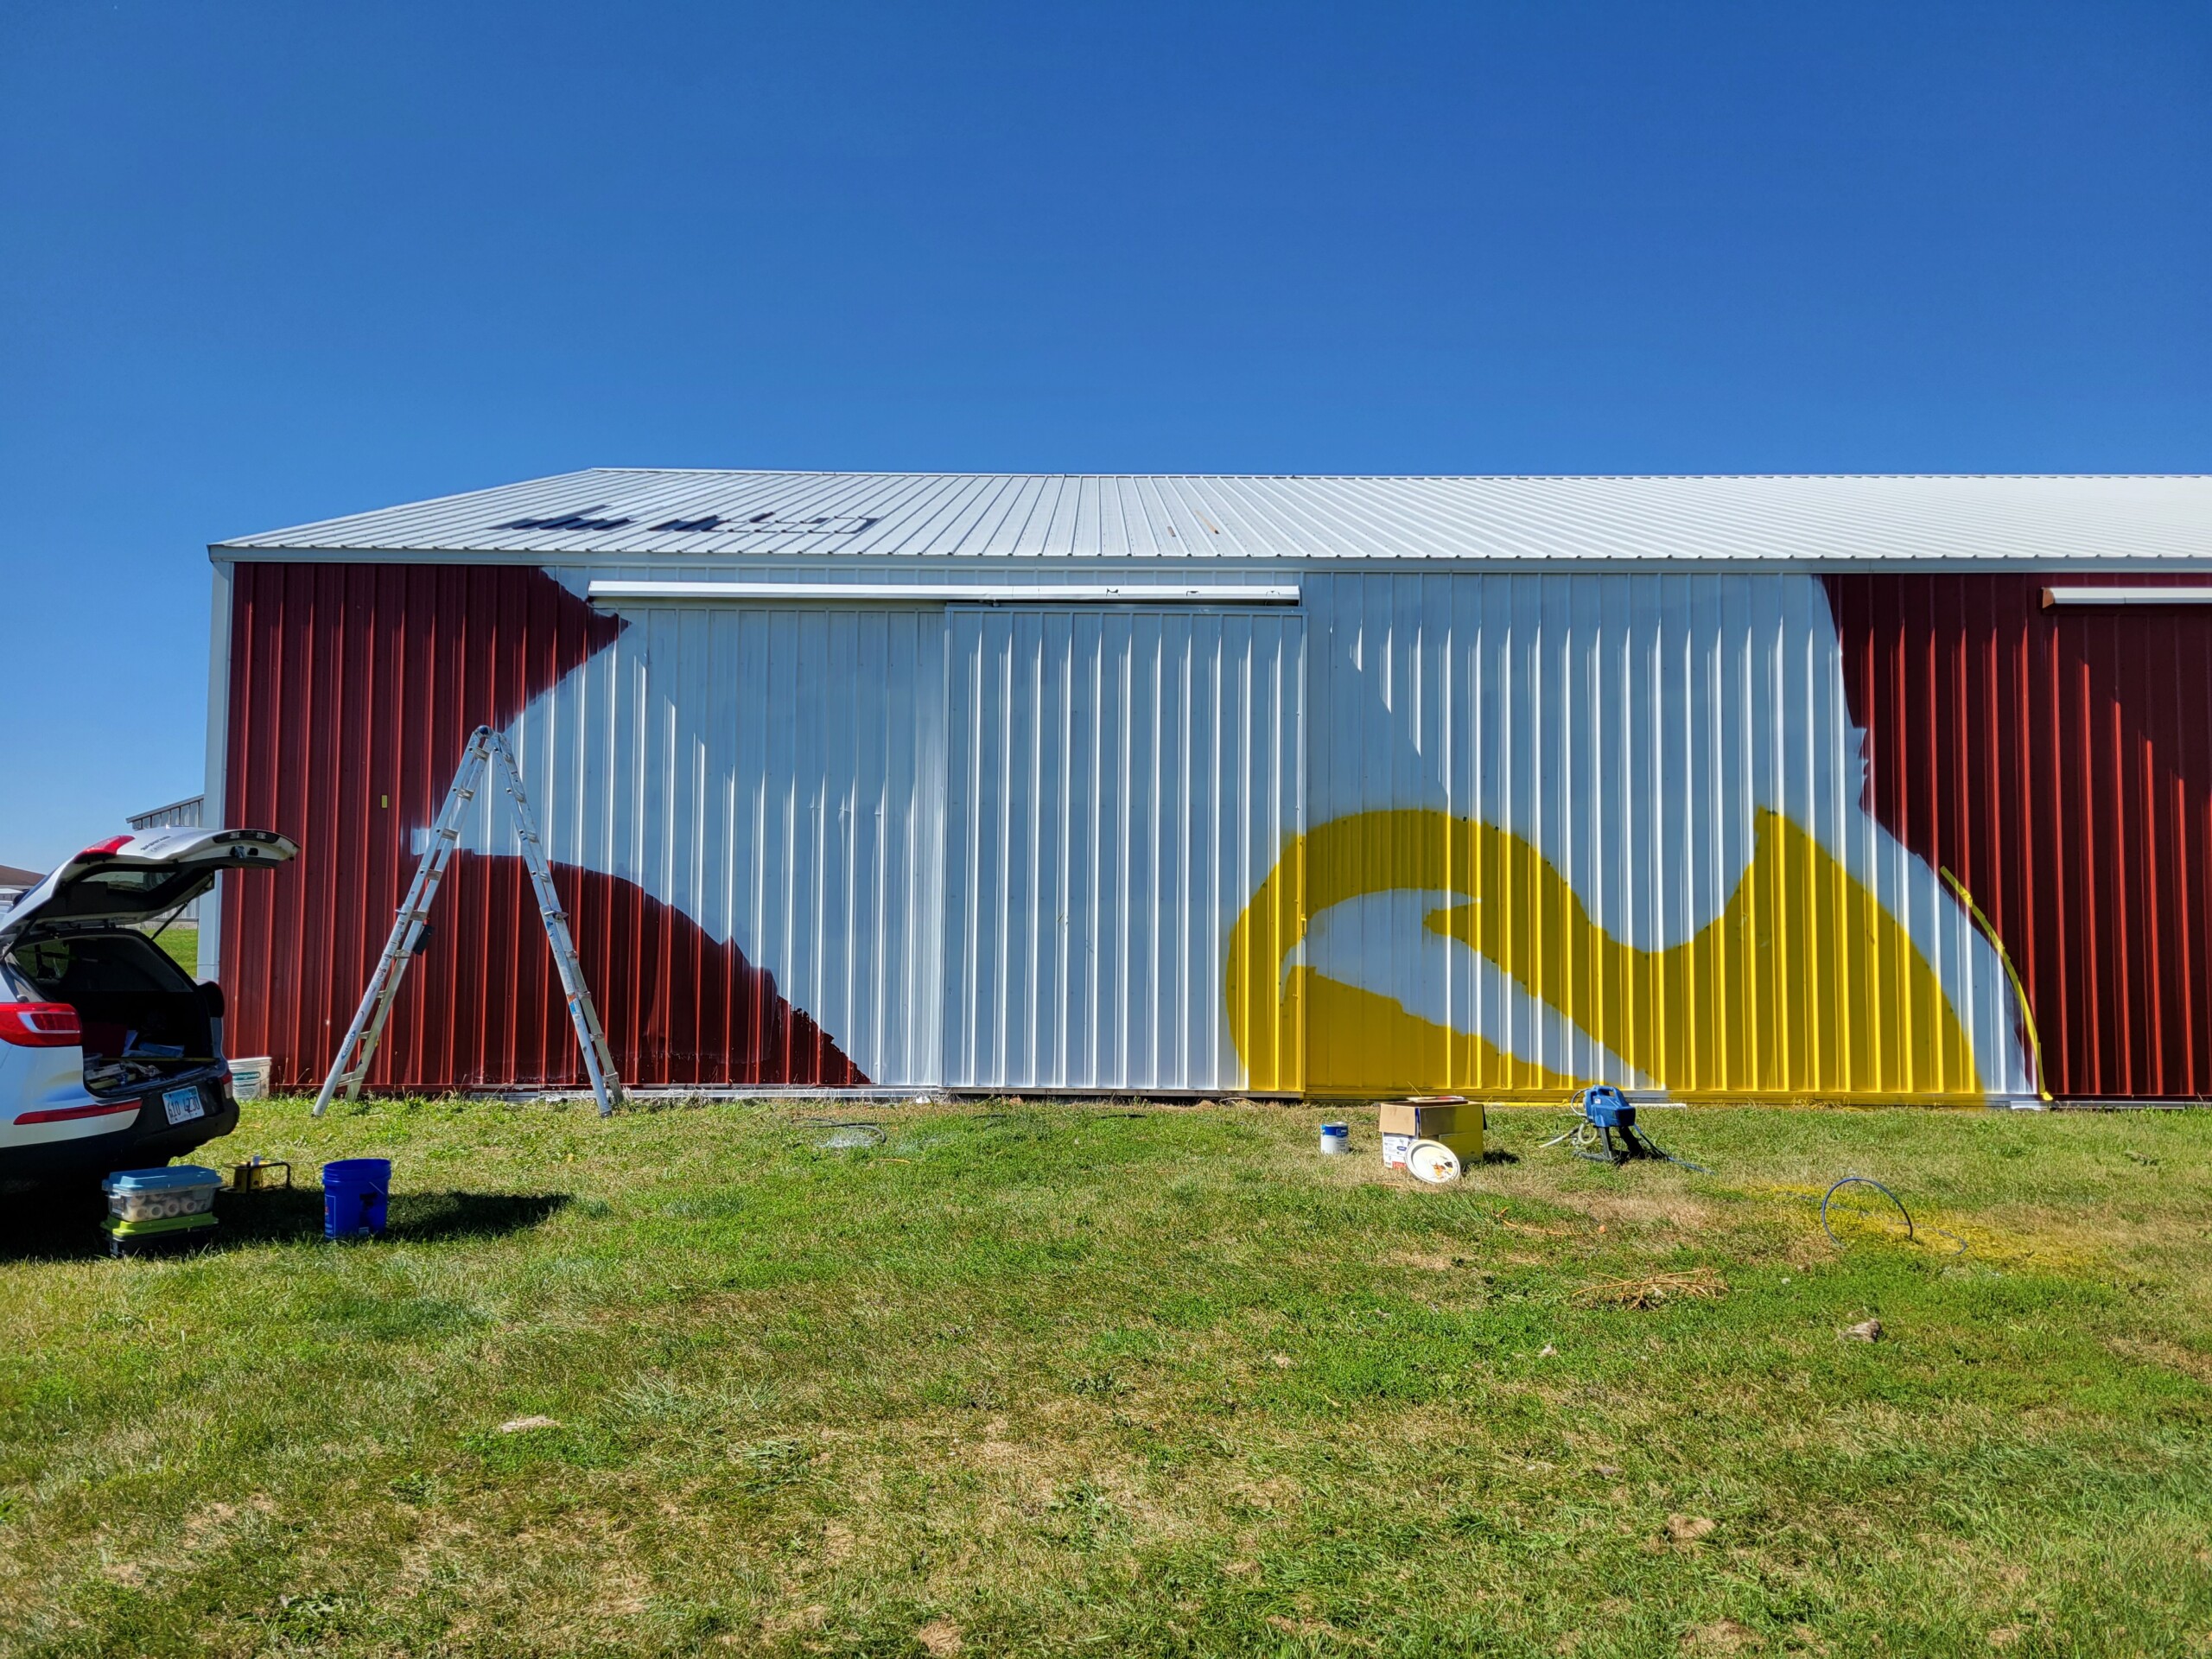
<point x="1367" y="1044"/>
<point x="1804" y="986"/>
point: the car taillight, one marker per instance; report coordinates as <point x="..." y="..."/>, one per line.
<point x="108" y="846"/>
<point x="40" y="1025"/>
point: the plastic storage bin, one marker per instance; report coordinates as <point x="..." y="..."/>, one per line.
<point x="159" y="1209"/>
<point x="139" y="1194"/>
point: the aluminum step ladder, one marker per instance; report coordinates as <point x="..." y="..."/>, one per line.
<point x="359" y="1051"/>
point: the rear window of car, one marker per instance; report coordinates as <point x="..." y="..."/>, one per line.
<point x="97" y="964"/>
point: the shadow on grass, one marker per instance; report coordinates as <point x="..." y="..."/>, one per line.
<point x="62" y="1223"/>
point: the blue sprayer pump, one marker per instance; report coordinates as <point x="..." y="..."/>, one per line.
<point x="1606" y="1131"/>
<point x="1607" y="1107"/>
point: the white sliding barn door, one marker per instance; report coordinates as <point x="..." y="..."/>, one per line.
<point x="1119" y="782"/>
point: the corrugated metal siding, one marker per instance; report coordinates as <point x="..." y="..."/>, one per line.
<point x="746" y="809"/>
<point x="1120" y="784"/>
<point x="353" y="690"/>
<point x="774" y="776"/>
<point x="186" y="814"/>
<point x="1566" y="828"/>
<point x="1024" y="520"/>
<point x="1498" y="832"/>
<point x="2059" y="763"/>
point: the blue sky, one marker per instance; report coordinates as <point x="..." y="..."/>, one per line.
<point x="261" y="263"/>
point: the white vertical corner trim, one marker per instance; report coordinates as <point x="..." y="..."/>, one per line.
<point x="218" y="733"/>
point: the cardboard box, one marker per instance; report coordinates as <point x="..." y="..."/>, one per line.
<point x="1456" y="1122"/>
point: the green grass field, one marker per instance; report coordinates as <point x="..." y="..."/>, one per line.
<point x="1029" y="1379"/>
<point x="182" y="944"/>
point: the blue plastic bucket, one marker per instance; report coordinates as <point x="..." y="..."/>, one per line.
<point x="354" y="1194"/>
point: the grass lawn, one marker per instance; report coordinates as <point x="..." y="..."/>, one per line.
<point x="182" y="944"/>
<point x="1043" y="1379"/>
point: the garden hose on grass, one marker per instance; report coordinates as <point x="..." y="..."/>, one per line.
<point x="844" y="1137"/>
<point x="1911" y="1233"/>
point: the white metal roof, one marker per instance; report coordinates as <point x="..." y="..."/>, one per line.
<point x="615" y="513"/>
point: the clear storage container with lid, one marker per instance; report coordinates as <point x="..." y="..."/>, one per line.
<point x="160" y="1194"/>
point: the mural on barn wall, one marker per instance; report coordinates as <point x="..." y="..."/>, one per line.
<point x="353" y="689"/>
<point x="1599" y="828"/>
<point x="1570" y="830"/>
<point x="1557" y="829"/>
<point x="763" y="774"/>
<point x="1804" y="986"/>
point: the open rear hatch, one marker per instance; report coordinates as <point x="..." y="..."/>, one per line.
<point x="76" y="938"/>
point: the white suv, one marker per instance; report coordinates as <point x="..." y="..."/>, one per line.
<point x="111" y="1057"/>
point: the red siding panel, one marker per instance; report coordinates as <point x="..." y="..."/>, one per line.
<point x="2059" y="763"/>
<point x="356" y="685"/>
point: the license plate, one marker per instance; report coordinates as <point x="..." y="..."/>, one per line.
<point x="182" y="1105"/>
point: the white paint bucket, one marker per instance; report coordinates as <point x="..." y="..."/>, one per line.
<point x="1336" y="1139"/>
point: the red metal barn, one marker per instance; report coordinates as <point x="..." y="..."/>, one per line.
<point x="1782" y="789"/>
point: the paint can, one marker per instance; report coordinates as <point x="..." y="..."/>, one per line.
<point x="1336" y="1139"/>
